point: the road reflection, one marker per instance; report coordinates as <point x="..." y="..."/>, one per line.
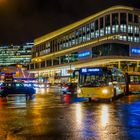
<point x="104" y="115"/>
<point x="79" y="115"/>
<point x="50" y="114"/>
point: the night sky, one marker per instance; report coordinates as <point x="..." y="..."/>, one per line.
<point x="24" y="20"/>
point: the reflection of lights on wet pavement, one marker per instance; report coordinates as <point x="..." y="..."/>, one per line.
<point x="48" y="118"/>
<point x="79" y="115"/>
<point x="42" y="91"/>
<point x="104" y="115"/>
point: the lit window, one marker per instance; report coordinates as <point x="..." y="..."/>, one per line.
<point x="130" y="38"/>
<point x="136" y="30"/>
<point x="115" y="28"/>
<point x="123" y="28"/>
<point x="101" y="32"/>
<point x="130" y="29"/>
<point x="107" y="30"/>
<point x="97" y="34"/>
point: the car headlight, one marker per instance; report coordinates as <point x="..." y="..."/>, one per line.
<point x="78" y="91"/>
<point x="105" y="91"/>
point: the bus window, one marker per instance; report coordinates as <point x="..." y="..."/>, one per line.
<point x="134" y="79"/>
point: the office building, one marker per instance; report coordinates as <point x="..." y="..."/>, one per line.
<point x="108" y="38"/>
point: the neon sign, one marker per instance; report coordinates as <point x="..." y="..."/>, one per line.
<point x="91" y="70"/>
<point x="135" y="50"/>
<point x="84" y="54"/>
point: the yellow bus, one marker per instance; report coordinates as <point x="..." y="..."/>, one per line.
<point x="132" y="82"/>
<point x="100" y="83"/>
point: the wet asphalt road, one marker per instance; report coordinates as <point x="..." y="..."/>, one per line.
<point x="51" y="116"/>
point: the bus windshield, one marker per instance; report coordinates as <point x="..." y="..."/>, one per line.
<point x="99" y="76"/>
<point x="95" y="80"/>
<point x="94" y="77"/>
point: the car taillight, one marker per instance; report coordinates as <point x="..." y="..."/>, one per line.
<point x="67" y="87"/>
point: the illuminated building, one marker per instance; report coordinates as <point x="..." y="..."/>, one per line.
<point x="15" y="54"/>
<point x="14" y="59"/>
<point x="108" y="38"/>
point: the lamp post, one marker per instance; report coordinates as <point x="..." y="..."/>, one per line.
<point x="38" y="61"/>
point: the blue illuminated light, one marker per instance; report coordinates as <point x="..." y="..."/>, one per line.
<point x="94" y="70"/>
<point x="84" y="70"/>
<point x="91" y="71"/>
<point x="84" y="54"/>
<point x="3" y="73"/>
<point x="13" y="72"/>
<point x="135" y="50"/>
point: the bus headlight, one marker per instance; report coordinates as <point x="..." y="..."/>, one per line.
<point x="78" y="91"/>
<point x="105" y="91"/>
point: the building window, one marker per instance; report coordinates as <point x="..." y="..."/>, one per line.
<point x="130" y="29"/>
<point x="130" y="17"/>
<point x="96" y="25"/>
<point x="115" y="22"/>
<point x="92" y="30"/>
<point x="121" y="37"/>
<point x="123" y="18"/>
<point x="135" y="18"/>
<point x="96" y="33"/>
<point x="64" y="59"/>
<point x="43" y="64"/>
<point x="107" y="24"/>
<point x="115" y="28"/>
<point x="107" y="20"/>
<point x="101" y="22"/>
<point x="107" y="30"/>
<point x="136" y="39"/>
<point x="110" y="49"/>
<point x="115" y="19"/>
<point x="101" y="32"/>
<point x="123" y="28"/>
<point x="92" y="26"/>
<point x="101" y="26"/>
<point x="49" y="62"/>
<point x="37" y="65"/>
<point x="88" y="32"/>
<point x="130" y="38"/>
<point x="56" y="61"/>
<point x="136" y="30"/>
<point x="73" y="57"/>
<point x="31" y="66"/>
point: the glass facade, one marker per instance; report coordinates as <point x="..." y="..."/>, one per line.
<point x="110" y="49"/>
<point x="122" y="25"/>
<point x="117" y="22"/>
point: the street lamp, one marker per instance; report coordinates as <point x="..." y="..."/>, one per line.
<point x="19" y="67"/>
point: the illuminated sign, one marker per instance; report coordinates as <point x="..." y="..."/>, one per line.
<point x="84" y="54"/>
<point x="91" y="71"/>
<point x="3" y="73"/>
<point x="135" y="50"/>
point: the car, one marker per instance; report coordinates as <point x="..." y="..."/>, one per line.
<point x="69" y="88"/>
<point x="16" y="88"/>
